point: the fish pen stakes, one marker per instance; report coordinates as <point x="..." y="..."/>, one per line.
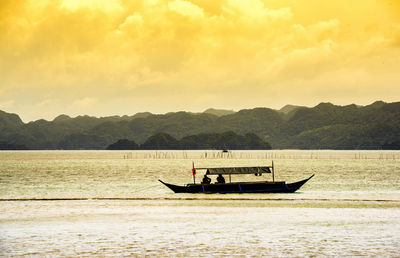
<point x="269" y="155"/>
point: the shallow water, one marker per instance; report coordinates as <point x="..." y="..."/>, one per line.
<point x="350" y="208"/>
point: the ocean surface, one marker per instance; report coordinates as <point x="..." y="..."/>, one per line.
<point x="110" y="203"/>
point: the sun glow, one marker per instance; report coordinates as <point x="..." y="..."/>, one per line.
<point x="173" y="55"/>
<point x="104" y="5"/>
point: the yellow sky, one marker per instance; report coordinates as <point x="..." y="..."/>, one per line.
<point x="121" y="57"/>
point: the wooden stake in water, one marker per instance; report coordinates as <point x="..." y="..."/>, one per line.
<point x="273" y="174"/>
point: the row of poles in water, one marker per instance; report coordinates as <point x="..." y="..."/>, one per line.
<point x="261" y="155"/>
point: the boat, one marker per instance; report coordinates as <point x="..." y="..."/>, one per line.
<point x="237" y="187"/>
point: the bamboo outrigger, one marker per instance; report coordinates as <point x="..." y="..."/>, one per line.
<point x="237" y="187"/>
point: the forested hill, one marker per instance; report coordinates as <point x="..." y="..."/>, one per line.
<point x="325" y="126"/>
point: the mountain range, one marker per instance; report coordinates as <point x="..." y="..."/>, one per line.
<point x="325" y="126"/>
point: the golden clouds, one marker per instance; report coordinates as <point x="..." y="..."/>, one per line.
<point x="155" y="55"/>
<point x="186" y="8"/>
<point x="109" y="6"/>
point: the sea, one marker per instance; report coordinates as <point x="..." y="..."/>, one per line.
<point x="110" y="203"/>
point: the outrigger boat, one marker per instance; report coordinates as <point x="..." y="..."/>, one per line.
<point x="237" y="187"/>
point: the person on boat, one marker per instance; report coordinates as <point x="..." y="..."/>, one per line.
<point x="220" y="179"/>
<point x="206" y="179"/>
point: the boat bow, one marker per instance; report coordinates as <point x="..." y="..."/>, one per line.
<point x="293" y="187"/>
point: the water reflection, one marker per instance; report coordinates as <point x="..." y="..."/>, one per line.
<point x="350" y="208"/>
<point x="193" y="229"/>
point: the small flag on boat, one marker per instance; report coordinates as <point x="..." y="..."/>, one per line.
<point x="194" y="171"/>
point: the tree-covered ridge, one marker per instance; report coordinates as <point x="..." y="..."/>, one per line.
<point x="123" y="144"/>
<point x="219" y="112"/>
<point x="325" y="126"/>
<point x="203" y="141"/>
<point x="12" y="146"/>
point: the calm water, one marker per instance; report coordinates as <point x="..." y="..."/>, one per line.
<point x="350" y="208"/>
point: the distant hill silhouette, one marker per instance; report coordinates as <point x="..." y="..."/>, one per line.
<point x="61" y="118"/>
<point x="218" y="112"/>
<point x="391" y="146"/>
<point x="289" y="108"/>
<point x="123" y="144"/>
<point x="12" y="146"/>
<point x="9" y="121"/>
<point x="325" y="126"/>
<point x="203" y="141"/>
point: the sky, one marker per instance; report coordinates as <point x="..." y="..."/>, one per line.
<point x="117" y="57"/>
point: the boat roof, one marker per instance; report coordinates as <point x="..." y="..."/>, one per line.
<point x="238" y="170"/>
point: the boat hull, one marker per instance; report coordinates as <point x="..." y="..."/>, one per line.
<point x="239" y="187"/>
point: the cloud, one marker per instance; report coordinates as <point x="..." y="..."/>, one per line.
<point x="86" y="102"/>
<point x="47" y="103"/>
<point x="5" y="105"/>
<point x="87" y="52"/>
<point x="186" y="8"/>
<point x="110" y="6"/>
<point x="255" y="11"/>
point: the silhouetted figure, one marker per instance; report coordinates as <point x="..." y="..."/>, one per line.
<point x="220" y="179"/>
<point x="206" y="179"/>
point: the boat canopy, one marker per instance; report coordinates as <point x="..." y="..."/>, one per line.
<point x="238" y="170"/>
